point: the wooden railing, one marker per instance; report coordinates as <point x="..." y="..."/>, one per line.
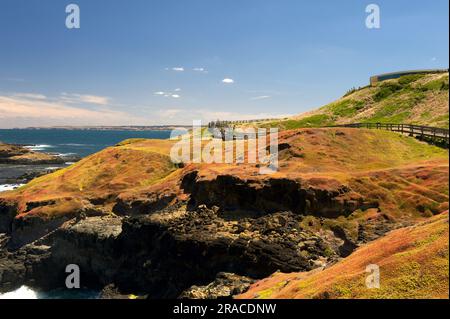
<point x="410" y="129"/>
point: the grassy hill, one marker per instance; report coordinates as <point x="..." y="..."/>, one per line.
<point x="96" y="178"/>
<point x="412" y="99"/>
<point x="413" y="263"/>
<point x="348" y="187"/>
<point x="324" y="156"/>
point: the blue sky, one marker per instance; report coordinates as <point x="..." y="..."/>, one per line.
<point x="164" y="61"/>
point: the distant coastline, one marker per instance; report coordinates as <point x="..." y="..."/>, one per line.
<point x="110" y="128"/>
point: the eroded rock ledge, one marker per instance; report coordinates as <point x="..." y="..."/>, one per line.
<point x="225" y="234"/>
<point x="172" y="253"/>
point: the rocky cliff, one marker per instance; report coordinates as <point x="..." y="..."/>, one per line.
<point x="133" y="220"/>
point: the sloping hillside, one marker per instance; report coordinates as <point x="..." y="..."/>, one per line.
<point x="413" y="263"/>
<point x="95" y="179"/>
<point x="332" y="172"/>
<point x="412" y="99"/>
<point x="134" y="166"/>
<point x="336" y="189"/>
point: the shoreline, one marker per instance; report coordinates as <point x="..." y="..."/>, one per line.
<point x="107" y="128"/>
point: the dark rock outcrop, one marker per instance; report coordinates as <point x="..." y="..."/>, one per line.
<point x="225" y="286"/>
<point x="230" y="193"/>
<point x="165" y="247"/>
<point x="17" y="154"/>
<point x="7" y="213"/>
<point x="163" y="254"/>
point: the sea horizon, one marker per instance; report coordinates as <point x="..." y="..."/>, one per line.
<point x="74" y="142"/>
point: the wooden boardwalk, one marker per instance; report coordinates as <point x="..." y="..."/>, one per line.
<point x="435" y="133"/>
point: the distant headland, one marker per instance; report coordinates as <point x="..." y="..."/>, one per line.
<point x="112" y="128"/>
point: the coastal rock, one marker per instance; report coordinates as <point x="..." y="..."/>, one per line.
<point x="8" y="211"/>
<point x="224" y="286"/>
<point x="163" y="254"/>
<point x="202" y="243"/>
<point x="16" y="154"/>
<point x="270" y="195"/>
<point x="26" y="265"/>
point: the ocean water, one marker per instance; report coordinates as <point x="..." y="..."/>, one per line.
<point x="73" y="142"/>
<point x="65" y="142"/>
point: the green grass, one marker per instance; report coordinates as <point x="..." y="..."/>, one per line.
<point x="413" y="99"/>
<point x="385" y="90"/>
<point x="407" y="79"/>
<point x="443" y="120"/>
<point x="130" y="141"/>
<point x="346" y="108"/>
<point x="311" y="121"/>
<point x="437" y="85"/>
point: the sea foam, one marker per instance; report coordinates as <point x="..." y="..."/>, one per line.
<point x="9" y="187"/>
<point x="23" y="292"/>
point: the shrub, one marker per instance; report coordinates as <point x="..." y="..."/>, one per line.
<point x="347" y="107"/>
<point x="407" y="79"/>
<point x="310" y="121"/>
<point x="385" y="90"/>
<point x="437" y="85"/>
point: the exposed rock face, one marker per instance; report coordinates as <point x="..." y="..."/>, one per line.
<point x="231" y="233"/>
<point x="164" y="254"/>
<point x="153" y="202"/>
<point x="25" y="231"/>
<point x="224" y="286"/>
<point x="42" y="263"/>
<point x="227" y="233"/>
<point x="271" y="195"/>
<point x="27" y="265"/>
<point x="199" y="244"/>
<point x="7" y="213"/>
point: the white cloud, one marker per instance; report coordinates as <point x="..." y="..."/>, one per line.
<point x="228" y="81"/>
<point x="31" y="96"/>
<point x="433" y="59"/>
<point x="22" y="111"/>
<point x="261" y="97"/>
<point x="84" y="98"/>
<point x="169" y="94"/>
<point x="200" y="70"/>
<point x="178" y="69"/>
